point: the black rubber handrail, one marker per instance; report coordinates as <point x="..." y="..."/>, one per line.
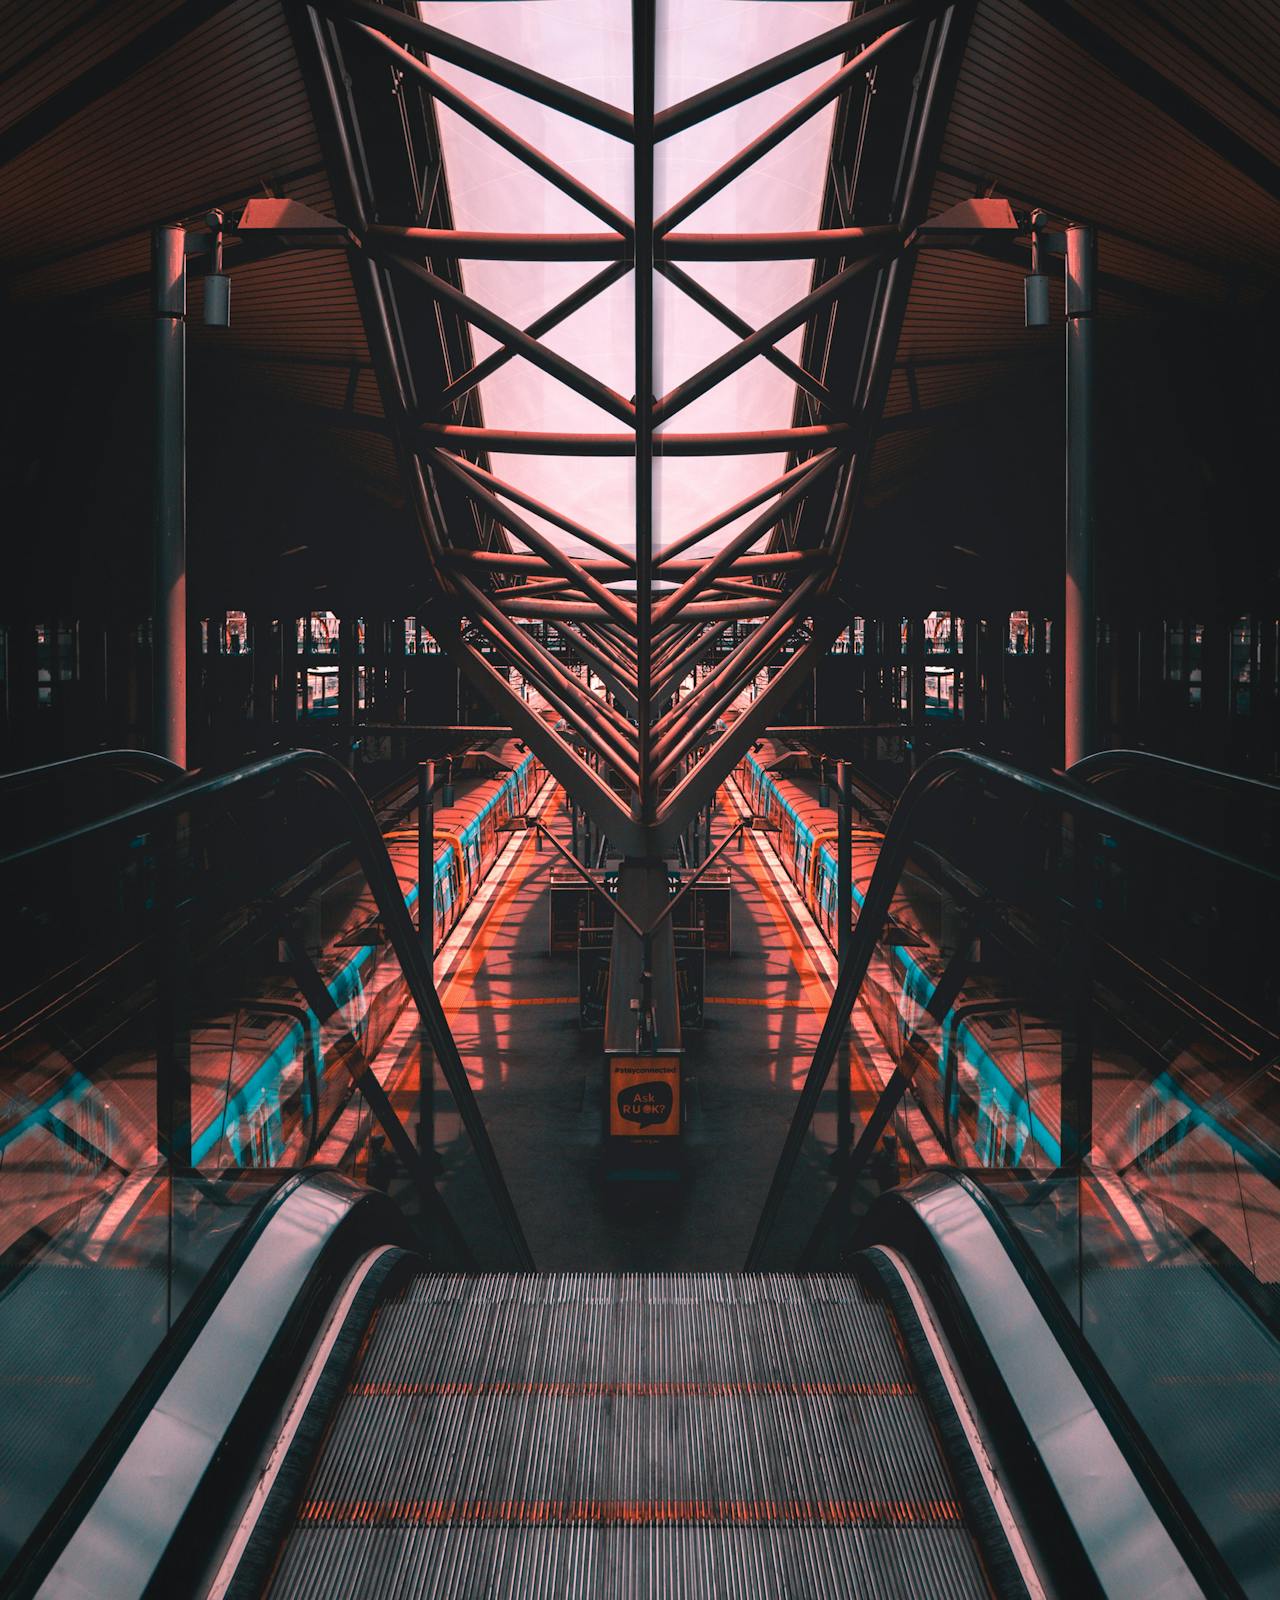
<point x="330" y="776"/>
<point x="1104" y="765"/>
<point x="940" y="771"/>
<point x="143" y="764"/>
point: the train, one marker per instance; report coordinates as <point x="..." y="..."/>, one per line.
<point x="987" y="1074"/>
<point x="272" y="1071"/>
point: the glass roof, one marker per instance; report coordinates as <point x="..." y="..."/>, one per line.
<point x="587" y="44"/>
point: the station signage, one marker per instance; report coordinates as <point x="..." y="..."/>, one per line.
<point x="644" y="1097"/>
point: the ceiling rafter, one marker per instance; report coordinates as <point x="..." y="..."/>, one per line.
<point x="674" y="635"/>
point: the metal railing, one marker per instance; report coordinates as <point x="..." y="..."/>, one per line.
<point x="361" y="828"/>
<point x="943" y="771"/>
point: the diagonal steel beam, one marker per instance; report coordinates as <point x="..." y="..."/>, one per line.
<point x="789" y="64"/>
<point x="509" y="491"/>
<point x="686" y="658"/>
<point x="776" y="328"/>
<point x="550" y="552"/>
<point x="744" y="330"/>
<point x="617" y="681"/>
<point x="497" y="69"/>
<point x="501" y="135"/>
<point x="710" y="771"/>
<point x="561" y="691"/>
<point x="757" y="497"/>
<point x="776" y="132"/>
<point x="552" y="318"/>
<point x="559" y="758"/>
<point x="719" y="688"/>
<point x="712" y="568"/>
<point x="533" y="350"/>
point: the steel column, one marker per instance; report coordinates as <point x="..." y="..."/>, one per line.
<point x="844" y="935"/>
<point x="1079" y="652"/>
<point x="169" y="611"/>
<point x="642" y="82"/>
<point x="427" y="939"/>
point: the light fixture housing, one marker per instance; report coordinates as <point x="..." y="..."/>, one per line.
<point x="1035" y="288"/>
<point x="217" y="300"/>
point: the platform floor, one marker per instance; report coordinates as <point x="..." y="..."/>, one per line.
<point x="539" y="1078"/>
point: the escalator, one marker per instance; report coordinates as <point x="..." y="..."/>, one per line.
<point x="324" y="1394"/>
<point x="341" y="1420"/>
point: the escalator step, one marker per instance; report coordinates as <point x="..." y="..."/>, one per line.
<point x="617" y="1435"/>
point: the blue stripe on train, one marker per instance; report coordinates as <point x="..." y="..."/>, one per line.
<point x="1010" y="1099"/>
<point x="341" y="987"/>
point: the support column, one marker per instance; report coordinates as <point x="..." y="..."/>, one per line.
<point x="915" y="687"/>
<point x="169" y="610"/>
<point x="1079" y="644"/>
<point x="844" y="935"/>
<point x="261" y="642"/>
<point x="971" y="673"/>
<point x="347" y="689"/>
<point x="427" y="939"/>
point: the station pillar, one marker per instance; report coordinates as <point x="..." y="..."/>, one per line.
<point x="169" y="496"/>
<point x="1080" y="642"/>
<point x="643" y="1065"/>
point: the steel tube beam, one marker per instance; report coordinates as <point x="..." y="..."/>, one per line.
<point x="744" y="330"/>
<point x="552" y="318"/>
<point x="474" y="58"/>
<point x="777" y="69"/>
<point x="549" y="671"/>
<point x="773" y="135"/>
<point x="502" y="135"/>
<point x="762" y="639"/>
<point x="685" y="659"/>
<point x="604" y="644"/>
<point x="560" y="759"/>
<point x="694" y="791"/>
<point x="716" y="565"/>
<point x="169" y="500"/>
<point x="594" y="656"/>
<point x="538" y="542"/>
<point x="747" y="349"/>
<point x="804" y="244"/>
<point x="509" y="491"/>
<point x="561" y="702"/>
<point x="704" y="530"/>
<point x="533" y="350"/>
<point x="702" y="611"/>
<point x="582" y="871"/>
<point x="520" y="441"/>
<point x="684" y="729"/>
<point x="643" y="24"/>
<point x="427" y="939"/>
<point x="1080" y="643"/>
<point x="456" y="244"/>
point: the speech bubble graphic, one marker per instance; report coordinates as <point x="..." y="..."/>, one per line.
<point x="645" y="1105"/>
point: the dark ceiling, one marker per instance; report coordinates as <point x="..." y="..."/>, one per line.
<point x="1160" y="122"/>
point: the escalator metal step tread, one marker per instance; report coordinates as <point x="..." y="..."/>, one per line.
<point x="617" y="1435"/>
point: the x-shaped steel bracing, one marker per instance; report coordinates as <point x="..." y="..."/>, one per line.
<point x="661" y="629"/>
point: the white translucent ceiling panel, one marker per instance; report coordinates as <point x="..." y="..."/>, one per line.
<point x="587" y="43"/>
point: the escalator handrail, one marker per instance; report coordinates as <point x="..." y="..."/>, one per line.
<point x="329" y="775"/>
<point x="941" y="771"/>
<point x="1104" y="765"/>
<point x="143" y="764"/>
